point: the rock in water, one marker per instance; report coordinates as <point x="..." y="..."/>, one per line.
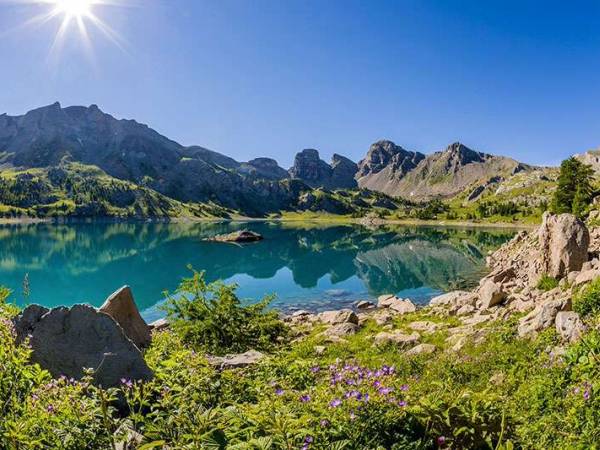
<point x="564" y="242"/>
<point x="237" y="236"/>
<point x="121" y="307"/>
<point x="65" y="341"/>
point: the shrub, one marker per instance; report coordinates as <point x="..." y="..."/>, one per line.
<point x="547" y="283"/>
<point x="211" y="316"/>
<point x="587" y="301"/>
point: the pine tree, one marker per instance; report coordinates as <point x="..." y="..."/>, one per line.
<point x="574" y="191"/>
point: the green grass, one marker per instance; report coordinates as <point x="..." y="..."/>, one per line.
<point x="547" y="283"/>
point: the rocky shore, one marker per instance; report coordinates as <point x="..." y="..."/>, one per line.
<point x="110" y="340"/>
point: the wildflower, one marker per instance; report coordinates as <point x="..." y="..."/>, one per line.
<point x="586" y="394"/>
<point x="308" y="440"/>
<point x="279" y="391"/>
<point x="315" y="369"/>
<point x="127" y="383"/>
<point x="441" y="440"/>
<point x="335" y="403"/>
<point x="352" y="415"/>
<point x="404" y="387"/>
<point x="305" y="398"/>
<point x="324" y="423"/>
<point x="402" y="403"/>
<point x="50" y="409"/>
<point x="384" y="390"/>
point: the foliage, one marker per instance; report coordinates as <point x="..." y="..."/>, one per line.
<point x="431" y="210"/>
<point x="211" y="317"/>
<point x="496" y="392"/>
<point x="587" y="301"/>
<point x="547" y="283"/>
<point x="574" y="191"/>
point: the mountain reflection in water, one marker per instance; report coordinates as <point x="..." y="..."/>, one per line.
<point x="305" y="265"/>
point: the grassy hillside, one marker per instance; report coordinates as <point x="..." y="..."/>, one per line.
<point x="78" y="190"/>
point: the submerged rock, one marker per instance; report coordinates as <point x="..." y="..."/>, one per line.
<point x="121" y="307"/>
<point x="66" y="341"/>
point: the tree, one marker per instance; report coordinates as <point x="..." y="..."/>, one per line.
<point x="574" y="191"/>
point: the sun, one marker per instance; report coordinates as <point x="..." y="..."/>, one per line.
<point x="74" y="8"/>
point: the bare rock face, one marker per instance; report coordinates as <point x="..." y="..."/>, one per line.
<point x="65" y="341"/>
<point x="564" y="242"/>
<point x="569" y="326"/>
<point x="121" y="307"/>
<point x="341" y="329"/>
<point x="542" y="317"/>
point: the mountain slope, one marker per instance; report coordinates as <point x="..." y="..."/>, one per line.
<point x="443" y="174"/>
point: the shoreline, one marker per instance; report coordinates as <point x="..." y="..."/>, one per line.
<point x="323" y="220"/>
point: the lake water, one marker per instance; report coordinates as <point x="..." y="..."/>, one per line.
<point x="305" y="265"/>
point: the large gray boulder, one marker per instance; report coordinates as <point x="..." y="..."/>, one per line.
<point x="121" y="307"/>
<point x="542" y="317"/>
<point x="66" y="341"/>
<point x="564" y="242"/>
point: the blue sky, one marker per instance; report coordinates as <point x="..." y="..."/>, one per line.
<point x="268" y="78"/>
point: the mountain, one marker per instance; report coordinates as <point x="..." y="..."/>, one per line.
<point x="315" y="172"/>
<point x="385" y="166"/>
<point x="444" y="174"/>
<point x="591" y="158"/>
<point x="122" y="167"/>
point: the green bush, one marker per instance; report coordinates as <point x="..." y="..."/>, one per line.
<point x="547" y="283"/>
<point x="211" y="317"/>
<point x="587" y="301"/>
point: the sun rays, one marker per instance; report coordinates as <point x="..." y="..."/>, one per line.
<point x="76" y="19"/>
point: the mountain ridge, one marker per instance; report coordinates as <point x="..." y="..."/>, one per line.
<point x="131" y="151"/>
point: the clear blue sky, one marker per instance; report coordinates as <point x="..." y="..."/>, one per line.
<point x="268" y="78"/>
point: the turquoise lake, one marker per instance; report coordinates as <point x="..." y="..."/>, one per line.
<point x="307" y="266"/>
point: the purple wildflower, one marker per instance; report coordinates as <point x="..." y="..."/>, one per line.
<point x="305" y="398"/>
<point x="315" y="369"/>
<point x="50" y="409"/>
<point x="586" y="394"/>
<point x="384" y="390"/>
<point x="127" y="383"/>
<point x="404" y="387"/>
<point x="324" y="423"/>
<point x="335" y="403"/>
<point x="441" y="440"/>
<point x="402" y="403"/>
<point x="279" y="391"/>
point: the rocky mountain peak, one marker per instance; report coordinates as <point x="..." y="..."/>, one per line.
<point x="385" y="154"/>
<point x="315" y="172"/>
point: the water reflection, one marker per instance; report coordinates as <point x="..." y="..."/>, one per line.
<point x="302" y="263"/>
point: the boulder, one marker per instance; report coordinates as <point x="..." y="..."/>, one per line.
<point x="569" y="325"/>
<point x="396" y="337"/>
<point x="403" y="306"/>
<point x="338" y="317"/>
<point x="237" y="236"/>
<point x="159" y="325"/>
<point x="341" y="329"/>
<point x="491" y="294"/>
<point x="542" y="316"/>
<point x="564" y="242"/>
<point x="396" y="304"/>
<point x="383" y="317"/>
<point x="236" y="361"/>
<point x="65" y="341"/>
<point x="364" y="304"/>
<point x="121" y="307"/>
<point x="421" y="349"/>
<point x="585" y="276"/>
<point x="450" y="298"/>
<point x="424" y="326"/>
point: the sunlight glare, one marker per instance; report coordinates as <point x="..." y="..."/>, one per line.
<point x="74" y="8"/>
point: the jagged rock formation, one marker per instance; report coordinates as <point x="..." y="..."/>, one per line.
<point x="385" y="165"/>
<point x="315" y="172"/>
